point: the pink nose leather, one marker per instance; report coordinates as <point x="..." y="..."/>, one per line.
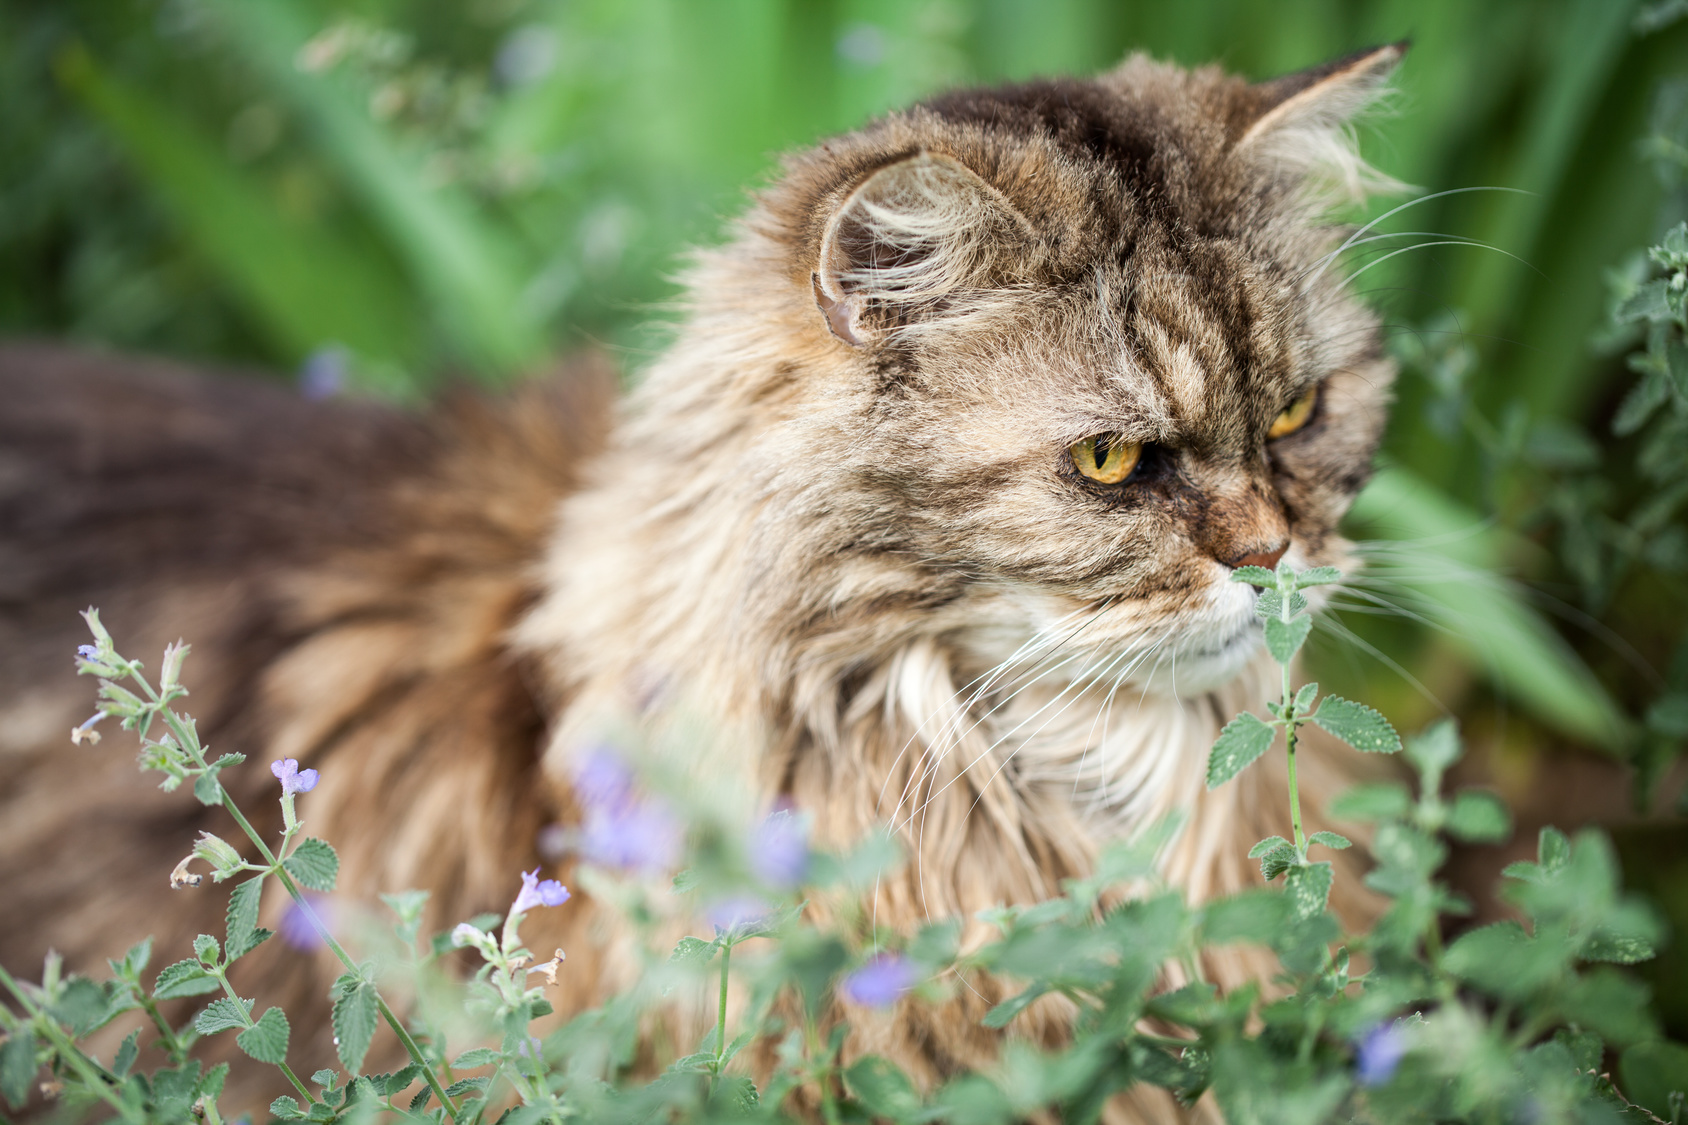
<point x="1267" y="559"/>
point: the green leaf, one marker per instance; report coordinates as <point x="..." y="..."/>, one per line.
<point x="1268" y="844"/>
<point x="184" y="978"/>
<point x="355" y="1013"/>
<point x="1651" y="301"/>
<point x="314" y="864"/>
<point x="694" y="951"/>
<point x="480" y="1056"/>
<point x="1308" y="889"/>
<point x="325" y="1076"/>
<point x="882" y="1089"/>
<point x="211" y="1086"/>
<point x="1304" y="698"/>
<point x="1357" y="725"/>
<point x="1479" y="817"/>
<point x="1000" y="1015"/>
<point x="1255" y="576"/>
<point x="1318" y="576"/>
<point x="1377" y="801"/>
<point x="266" y="1040"/>
<point x="464" y="1085"/>
<point x="1277" y="861"/>
<point x="205" y="948"/>
<point x="1330" y="840"/>
<point x="222" y="1014"/>
<point x="1435" y="748"/>
<point x="686" y="879"/>
<point x="1503" y="960"/>
<point x="1652" y="1072"/>
<point x="17" y="1066"/>
<point x="1252" y="916"/>
<point x="287" y="1109"/>
<point x="1244" y="739"/>
<point x="1617" y="948"/>
<point x="241" y="919"/>
<point x="126" y="1054"/>
<point x="1285" y="638"/>
<point x="208" y="789"/>
<point x="1611" y="1003"/>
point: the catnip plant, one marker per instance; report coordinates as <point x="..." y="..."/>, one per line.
<point x="1510" y="1022"/>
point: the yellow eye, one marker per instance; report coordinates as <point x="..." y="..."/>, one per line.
<point x="1294" y="416"/>
<point x="1105" y="458"/>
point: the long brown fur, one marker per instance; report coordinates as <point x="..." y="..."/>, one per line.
<point x="836" y="527"/>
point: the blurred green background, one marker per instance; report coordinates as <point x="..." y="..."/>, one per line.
<point x="382" y="196"/>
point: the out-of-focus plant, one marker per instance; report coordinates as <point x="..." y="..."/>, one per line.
<point x="1507" y="1020"/>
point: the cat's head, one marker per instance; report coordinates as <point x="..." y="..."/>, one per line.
<point x="1048" y="357"/>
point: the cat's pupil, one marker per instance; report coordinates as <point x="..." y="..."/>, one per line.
<point x="1099" y="451"/>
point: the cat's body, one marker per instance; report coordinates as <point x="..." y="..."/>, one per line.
<point x="839" y="525"/>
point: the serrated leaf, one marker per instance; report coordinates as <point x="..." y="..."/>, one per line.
<point x="1304" y="698"/>
<point x="1250" y="916"/>
<point x="1000" y="1015"/>
<point x="1277" y="861"/>
<point x="184" y="978"/>
<point x="1357" y="725"/>
<point x="1478" y="817"/>
<point x="17" y="1066"/>
<point x="1434" y="748"/>
<point x="1244" y="739"/>
<point x="133" y="961"/>
<point x="1378" y="801"/>
<point x="1650" y="301"/>
<point x="1285" y="638"/>
<point x="1270" y="604"/>
<point x="1318" y="576"/>
<point x="464" y="1085"/>
<point x="126" y="1054"/>
<point x="241" y="919"/>
<point x="1553" y="850"/>
<point x="206" y="949"/>
<point x="686" y="879"/>
<point x="694" y="951"/>
<point x="396" y="1082"/>
<point x="1330" y="840"/>
<point x="355" y="1013"/>
<point x="480" y="1056"/>
<point x="287" y="1109"/>
<point x="1255" y="576"/>
<point x="266" y="1040"/>
<point x="1268" y="844"/>
<point x="1652" y="1072"/>
<point x="1617" y="949"/>
<point x="208" y="789"/>
<point x="222" y="1015"/>
<point x="325" y="1076"/>
<point x="1308" y="889"/>
<point x="314" y="864"/>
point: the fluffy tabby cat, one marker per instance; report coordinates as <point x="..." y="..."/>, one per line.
<point x="930" y="508"/>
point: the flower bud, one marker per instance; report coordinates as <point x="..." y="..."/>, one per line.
<point x="219" y="853"/>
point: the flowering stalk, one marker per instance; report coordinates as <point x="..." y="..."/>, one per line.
<point x="93" y="1076"/>
<point x="180" y="756"/>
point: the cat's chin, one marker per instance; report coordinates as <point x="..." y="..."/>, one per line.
<point x="1197" y="669"/>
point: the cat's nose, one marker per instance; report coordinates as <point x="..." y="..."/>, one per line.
<point x="1267" y="559"/>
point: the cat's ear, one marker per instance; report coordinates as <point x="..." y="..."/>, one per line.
<point x="1299" y="120"/>
<point x="908" y="239"/>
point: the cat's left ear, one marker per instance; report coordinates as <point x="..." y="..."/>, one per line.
<point x="911" y="240"/>
<point x="1320" y="98"/>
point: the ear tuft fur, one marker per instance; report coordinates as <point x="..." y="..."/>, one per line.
<point x="915" y="233"/>
<point x="1301" y="121"/>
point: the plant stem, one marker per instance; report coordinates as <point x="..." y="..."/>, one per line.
<point x="721" y="1017"/>
<point x="190" y="744"/>
<point x="1289" y="743"/>
<point x="172" y="1043"/>
<point x="223" y="978"/>
<point x="90" y="1073"/>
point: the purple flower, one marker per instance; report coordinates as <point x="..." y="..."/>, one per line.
<point x="537" y="892"/>
<point x="1379" y="1053"/>
<point x="602" y="780"/>
<point x="292" y="778"/>
<point x="779" y="852"/>
<point x="634" y="836"/>
<point x="737" y="911"/>
<point x="323" y="374"/>
<point x="87" y="652"/>
<point x="878" y="983"/>
<point x="294" y="925"/>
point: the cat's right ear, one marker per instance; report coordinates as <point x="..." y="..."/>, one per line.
<point x="908" y="240"/>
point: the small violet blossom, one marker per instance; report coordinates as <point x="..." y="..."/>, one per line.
<point x="538" y="892"/>
<point x="779" y="852"/>
<point x="87" y="652"/>
<point x="881" y="981"/>
<point x="292" y="778"/>
<point x="622" y="830"/>
<point x="294" y="927"/>
<point x="1380" y="1051"/>
<point x="737" y="912"/>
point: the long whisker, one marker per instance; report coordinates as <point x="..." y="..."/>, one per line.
<point x="1325" y="262"/>
<point x="1378" y="261"/>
